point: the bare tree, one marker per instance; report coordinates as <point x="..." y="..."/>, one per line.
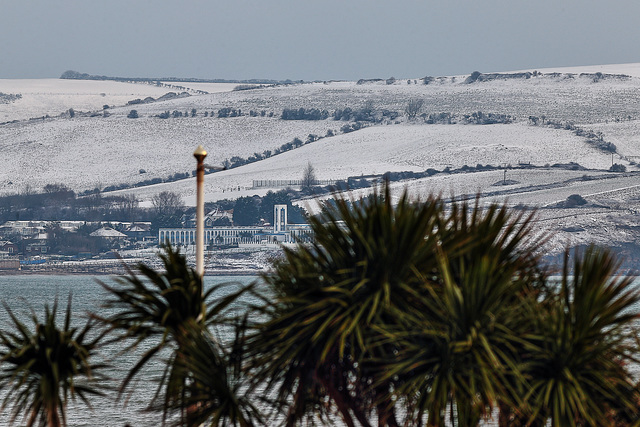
<point x="127" y="206"/>
<point x="413" y="107"/>
<point x="167" y="207"/>
<point x="55" y="188"/>
<point x="167" y="202"/>
<point x="308" y="177"/>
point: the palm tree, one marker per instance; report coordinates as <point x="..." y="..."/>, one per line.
<point x="319" y="339"/>
<point x="156" y="308"/>
<point x="582" y="346"/>
<point x="41" y="367"/>
<point x="218" y="393"/>
<point x="460" y="352"/>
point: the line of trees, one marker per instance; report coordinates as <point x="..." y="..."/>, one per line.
<point x="594" y="138"/>
<point x="58" y="202"/>
<point x="237" y="161"/>
<point x="253" y="210"/>
<point x="304" y="114"/>
<point x="6" y="98"/>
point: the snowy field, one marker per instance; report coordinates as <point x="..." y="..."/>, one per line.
<point x="88" y="152"/>
<point x="631" y="69"/>
<point x="206" y="87"/>
<point x="85" y="153"/>
<point x="41" y="97"/>
<point x="577" y="99"/>
<point x="52" y="97"/>
<point x="397" y="148"/>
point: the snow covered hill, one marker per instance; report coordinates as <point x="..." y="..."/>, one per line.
<point x="91" y="150"/>
<point x="540" y="118"/>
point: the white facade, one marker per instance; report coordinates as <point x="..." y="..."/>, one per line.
<point x="279" y="218"/>
<point x="281" y="231"/>
<point x="212" y="235"/>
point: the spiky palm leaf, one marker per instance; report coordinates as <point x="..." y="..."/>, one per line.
<point x="154" y="307"/>
<point x="218" y="394"/>
<point x="578" y="359"/>
<point x="43" y="366"/>
<point x="462" y="350"/>
<point x="331" y="298"/>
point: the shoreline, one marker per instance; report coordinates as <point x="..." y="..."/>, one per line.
<point x="112" y="271"/>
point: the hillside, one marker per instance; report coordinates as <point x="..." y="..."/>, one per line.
<point x="525" y="122"/>
<point x="121" y="147"/>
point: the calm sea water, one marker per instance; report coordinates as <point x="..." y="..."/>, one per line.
<point x="23" y="293"/>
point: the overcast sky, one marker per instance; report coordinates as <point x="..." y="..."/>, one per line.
<point x="311" y="40"/>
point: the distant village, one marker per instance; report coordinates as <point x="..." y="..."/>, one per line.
<point x="78" y="245"/>
<point x="33" y="242"/>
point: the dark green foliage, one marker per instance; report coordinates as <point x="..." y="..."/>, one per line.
<point x="351" y="127"/>
<point x="65" y="242"/>
<point x="218" y="394"/>
<point x="431" y="171"/>
<point x="578" y="354"/>
<point x="271" y="199"/>
<point x="463" y="345"/>
<point x="473" y="77"/>
<point x="363" y="114"/>
<point x="618" y="168"/>
<point x="236" y="161"/>
<point x="6" y="98"/>
<point x="229" y="112"/>
<point x="295" y="214"/>
<point x="246" y="211"/>
<point x="345" y="114"/>
<point x="440" y="118"/>
<point x="42" y="366"/>
<point x="575" y="200"/>
<point x="158" y="308"/>
<point x="428" y="79"/>
<point x="431" y="310"/>
<point x="222" y="222"/>
<point x="399" y="312"/>
<point x="480" y="118"/>
<point x="304" y="114"/>
<point x="332" y="297"/>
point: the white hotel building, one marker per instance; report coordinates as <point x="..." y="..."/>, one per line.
<point x="280" y="232"/>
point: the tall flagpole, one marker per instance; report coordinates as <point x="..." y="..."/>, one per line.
<point x="200" y="154"/>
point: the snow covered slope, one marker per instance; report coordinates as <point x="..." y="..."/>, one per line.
<point x="51" y="97"/>
<point x="90" y="150"/>
<point x="551" y="116"/>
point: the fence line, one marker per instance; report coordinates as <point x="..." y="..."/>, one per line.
<point x="264" y="183"/>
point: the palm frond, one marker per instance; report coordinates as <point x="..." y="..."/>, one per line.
<point x="157" y="308"/>
<point x="583" y="344"/>
<point x="43" y="366"/>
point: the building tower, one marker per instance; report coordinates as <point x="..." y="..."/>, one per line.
<point x="279" y="218"/>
